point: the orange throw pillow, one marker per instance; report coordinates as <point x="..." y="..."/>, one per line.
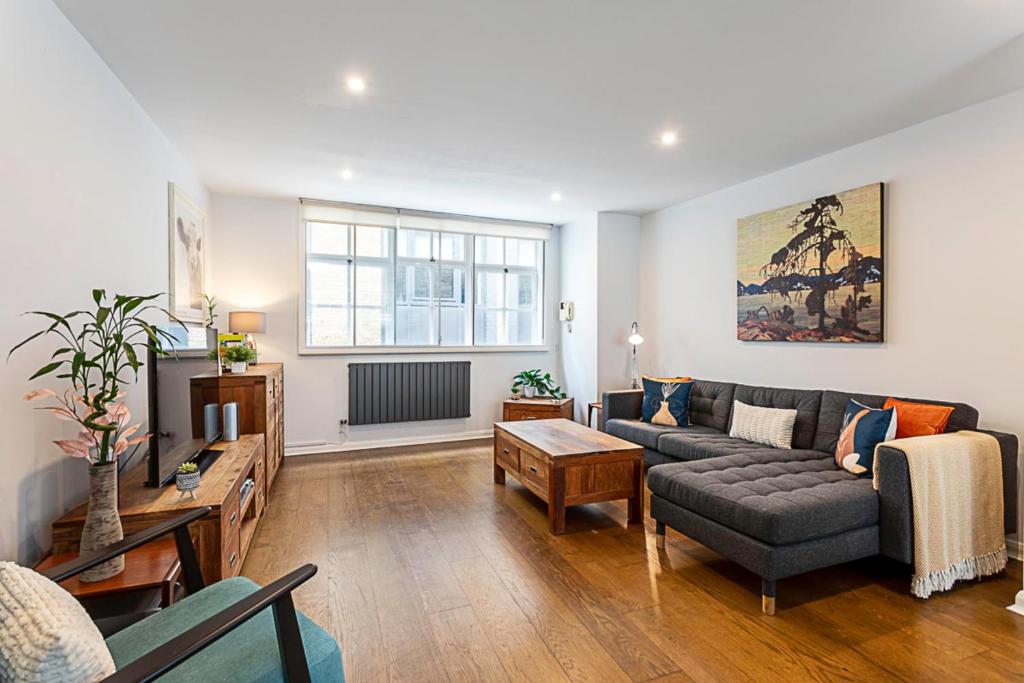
<point x="918" y="419"/>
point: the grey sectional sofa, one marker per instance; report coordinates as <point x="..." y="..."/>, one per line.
<point x="780" y="512"/>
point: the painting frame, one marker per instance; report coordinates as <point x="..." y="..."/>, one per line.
<point x="186" y="256"/>
<point x="814" y="271"/>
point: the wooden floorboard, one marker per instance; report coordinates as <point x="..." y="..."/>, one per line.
<point x="430" y="572"/>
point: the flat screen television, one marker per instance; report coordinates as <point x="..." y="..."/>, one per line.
<point x="162" y="462"/>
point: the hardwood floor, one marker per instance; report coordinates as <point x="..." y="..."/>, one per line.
<point x="430" y="572"/>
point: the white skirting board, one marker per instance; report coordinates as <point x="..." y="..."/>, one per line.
<point x="335" y="447"/>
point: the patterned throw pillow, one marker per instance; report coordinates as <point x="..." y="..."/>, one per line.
<point x="45" y="635"/>
<point x="770" y="426"/>
<point x="919" y="419"/>
<point x="666" y="401"/>
<point x="863" y="429"/>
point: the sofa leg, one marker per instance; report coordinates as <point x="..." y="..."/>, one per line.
<point x="768" y="597"/>
<point x="659" y="530"/>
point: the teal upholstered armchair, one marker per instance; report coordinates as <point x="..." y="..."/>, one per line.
<point x="232" y="630"/>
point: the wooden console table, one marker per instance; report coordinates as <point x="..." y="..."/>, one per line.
<point x="223" y="537"/>
<point x="537" y="409"/>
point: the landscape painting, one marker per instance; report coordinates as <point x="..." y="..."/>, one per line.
<point x="813" y="272"/>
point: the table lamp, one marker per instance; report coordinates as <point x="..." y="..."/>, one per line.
<point x="248" y="323"/>
<point x="636" y="340"/>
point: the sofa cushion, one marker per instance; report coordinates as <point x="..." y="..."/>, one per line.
<point x="805" y="401"/>
<point x="833" y="408"/>
<point x="248" y="653"/>
<point x="777" y="501"/>
<point x="698" y="443"/>
<point x="710" y="404"/>
<point x="640" y="433"/>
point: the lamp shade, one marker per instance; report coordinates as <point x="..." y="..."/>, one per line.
<point x="247" y="322"/>
<point x="634" y="336"/>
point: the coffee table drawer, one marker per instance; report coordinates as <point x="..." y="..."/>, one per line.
<point x="533" y="468"/>
<point x="506" y="453"/>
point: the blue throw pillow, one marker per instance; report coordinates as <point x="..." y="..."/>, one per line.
<point x="863" y="429"/>
<point x="666" y="402"/>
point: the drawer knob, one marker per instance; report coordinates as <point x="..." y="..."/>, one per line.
<point x="533" y="469"/>
<point x="232" y="560"/>
<point x="505" y="450"/>
<point x="231" y="520"/>
<point x="531" y="417"/>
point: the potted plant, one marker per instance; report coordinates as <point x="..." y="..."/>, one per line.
<point x="515" y="393"/>
<point x="99" y="352"/>
<point x="210" y="307"/>
<point x="186" y="479"/>
<point x="238" y="357"/>
<point x="533" y="383"/>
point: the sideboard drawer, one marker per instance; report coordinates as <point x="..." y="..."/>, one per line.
<point x="506" y="452"/>
<point x="533" y="468"/>
<point x="231" y="560"/>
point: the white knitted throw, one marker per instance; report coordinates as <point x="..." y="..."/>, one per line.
<point x="45" y="635"/>
<point x="956" y="488"/>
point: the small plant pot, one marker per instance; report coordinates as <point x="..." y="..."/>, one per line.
<point x="530" y="392"/>
<point x="239" y="368"/>
<point x="187" y="483"/>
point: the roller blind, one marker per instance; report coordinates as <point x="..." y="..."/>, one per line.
<point x="360" y="214"/>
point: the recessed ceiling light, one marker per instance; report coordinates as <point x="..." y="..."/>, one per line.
<point x="556" y="196"/>
<point x="346" y="174"/>
<point x="356" y="84"/>
<point x="669" y="138"/>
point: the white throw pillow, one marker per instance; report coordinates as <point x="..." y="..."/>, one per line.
<point x="770" y="426"/>
<point x="45" y="635"/>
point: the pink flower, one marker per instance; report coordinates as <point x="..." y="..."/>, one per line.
<point x="38" y="393"/>
<point x="78" y="448"/>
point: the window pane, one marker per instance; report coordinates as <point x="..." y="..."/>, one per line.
<point x="328" y="296"/>
<point x="453" y="247"/>
<point x="521" y="292"/>
<point x="489" y="250"/>
<point x="454" y="311"/>
<point x="522" y="328"/>
<point x="415" y="243"/>
<point x="375" y="242"/>
<point x="327" y="238"/>
<point x="416" y="315"/>
<point x="373" y="304"/>
<point x="490" y="289"/>
<point x="522" y="252"/>
<point x="489" y="327"/>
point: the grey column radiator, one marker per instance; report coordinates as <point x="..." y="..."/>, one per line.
<point x="407" y="392"/>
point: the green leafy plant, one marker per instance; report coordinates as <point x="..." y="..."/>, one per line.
<point x="210" y="306"/>
<point x="238" y="354"/>
<point x="99" y="353"/>
<point x="188" y="468"/>
<point x="541" y="382"/>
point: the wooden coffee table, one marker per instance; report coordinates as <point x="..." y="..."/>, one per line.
<point x="565" y="463"/>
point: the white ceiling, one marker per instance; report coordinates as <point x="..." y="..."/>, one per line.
<point x="487" y="106"/>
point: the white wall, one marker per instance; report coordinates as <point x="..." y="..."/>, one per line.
<point x="258" y="265"/>
<point x="600" y="270"/>
<point x="83" y="204"/>
<point x="954" y="244"/>
<point x="579" y="285"/>
<point x="618" y="291"/>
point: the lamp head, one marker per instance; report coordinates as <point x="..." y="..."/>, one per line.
<point x="634" y="337"/>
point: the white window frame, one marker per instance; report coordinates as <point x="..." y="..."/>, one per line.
<point x="469" y="263"/>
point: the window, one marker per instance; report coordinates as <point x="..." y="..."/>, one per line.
<point x="369" y="284"/>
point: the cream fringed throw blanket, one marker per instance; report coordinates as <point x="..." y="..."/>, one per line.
<point x="956" y="485"/>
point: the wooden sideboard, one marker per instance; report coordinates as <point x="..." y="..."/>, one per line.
<point x="514" y="410"/>
<point x="259" y="393"/>
<point x="224" y="536"/>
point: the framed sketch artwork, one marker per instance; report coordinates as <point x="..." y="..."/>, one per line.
<point x="186" y="256"/>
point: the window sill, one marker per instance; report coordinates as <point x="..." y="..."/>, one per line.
<point x="415" y="350"/>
